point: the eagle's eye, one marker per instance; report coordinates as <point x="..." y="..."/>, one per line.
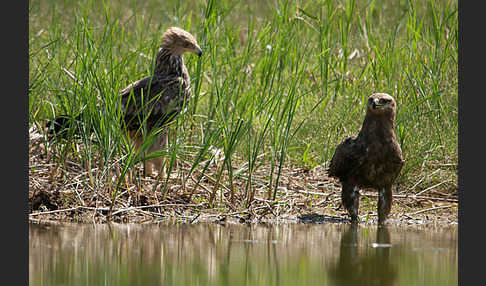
<point x="383" y="100"/>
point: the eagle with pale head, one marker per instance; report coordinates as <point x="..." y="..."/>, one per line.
<point x="155" y="100"/>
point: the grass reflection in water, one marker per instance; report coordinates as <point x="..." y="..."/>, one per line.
<point x="234" y="254"/>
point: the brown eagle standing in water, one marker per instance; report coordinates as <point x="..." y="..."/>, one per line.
<point x="157" y="98"/>
<point x="370" y="159"/>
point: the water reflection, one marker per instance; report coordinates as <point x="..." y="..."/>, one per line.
<point x="372" y="267"/>
<point x="234" y="254"/>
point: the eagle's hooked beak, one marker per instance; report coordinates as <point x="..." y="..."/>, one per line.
<point x="198" y="51"/>
<point x="376" y="103"/>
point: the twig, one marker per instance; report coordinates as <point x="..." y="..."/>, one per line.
<point x="71" y="76"/>
<point x="432" y="187"/>
<point x="416" y="197"/>
<point x="52" y="212"/>
<point x="194" y="220"/>
<point x="416" y="184"/>
<point x="311" y="193"/>
<point x="430" y="209"/>
<point x="70" y="209"/>
<point x="154" y="206"/>
<point x="154" y="214"/>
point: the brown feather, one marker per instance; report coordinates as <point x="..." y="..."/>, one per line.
<point x="163" y="94"/>
<point x="372" y="158"/>
<point x="155" y="100"/>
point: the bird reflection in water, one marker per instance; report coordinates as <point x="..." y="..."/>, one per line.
<point x="357" y="265"/>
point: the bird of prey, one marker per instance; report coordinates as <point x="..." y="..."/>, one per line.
<point x="161" y="96"/>
<point x="155" y="100"/>
<point x="370" y="159"/>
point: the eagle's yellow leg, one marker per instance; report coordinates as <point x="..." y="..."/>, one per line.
<point x="155" y="166"/>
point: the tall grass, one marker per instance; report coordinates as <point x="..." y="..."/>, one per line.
<point x="280" y="83"/>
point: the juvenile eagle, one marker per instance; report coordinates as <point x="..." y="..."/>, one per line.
<point x="156" y="98"/>
<point x="370" y="159"/>
<point x="161" y="95"/>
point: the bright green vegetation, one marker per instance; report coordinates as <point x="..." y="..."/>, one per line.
<point x="279" y="83"/>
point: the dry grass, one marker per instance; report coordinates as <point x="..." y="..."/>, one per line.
<point x="64" y="193"/>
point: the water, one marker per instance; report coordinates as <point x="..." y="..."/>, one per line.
<point x="237" y="254"/>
